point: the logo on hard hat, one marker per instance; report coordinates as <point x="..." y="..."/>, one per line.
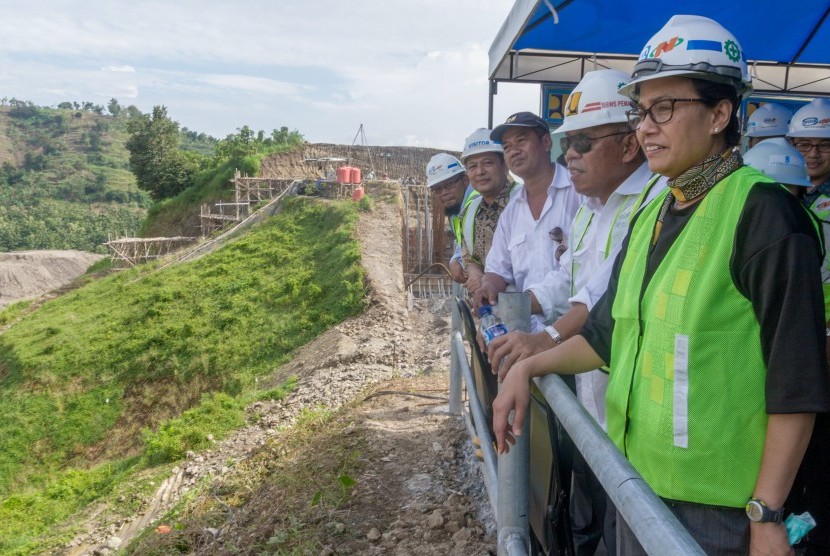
<point x="573" y="104"/>
<point x="666" y="46"/>
<point x="806" y="122"/>
<point x="732" y="51"/>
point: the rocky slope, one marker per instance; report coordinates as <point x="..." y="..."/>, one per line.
<point x="419" y="492"/>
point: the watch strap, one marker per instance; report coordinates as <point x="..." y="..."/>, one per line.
<point x="767" y="515"/>
<point x="554" y="334"/>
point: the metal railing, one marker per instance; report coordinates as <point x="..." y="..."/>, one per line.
<point x="506" y="476"/>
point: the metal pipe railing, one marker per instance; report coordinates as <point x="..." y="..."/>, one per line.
<point x="488" y="463"/>
<point x="512" y="535"/>
<point x="455" y="358"/>
<point x="482" y="427"/>
<point x="657" y="529"/>
<point x="514" y="467"/>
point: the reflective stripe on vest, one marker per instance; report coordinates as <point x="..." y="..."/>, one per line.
<point x="685" y="400"/>
<point x="455" y="221"/>
<point x="581" y="224"/>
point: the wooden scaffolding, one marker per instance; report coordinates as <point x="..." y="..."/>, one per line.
<point x="248" y="191"/>
<point x="130" y="251"/>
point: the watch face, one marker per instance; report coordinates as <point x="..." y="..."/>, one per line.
<point x="754" y="511"/>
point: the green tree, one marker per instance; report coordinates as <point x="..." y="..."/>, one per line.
<point x="159" y="166"/>
<point x="114" y="108"/>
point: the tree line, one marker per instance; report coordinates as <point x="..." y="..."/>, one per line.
<point x="164" y="169"/>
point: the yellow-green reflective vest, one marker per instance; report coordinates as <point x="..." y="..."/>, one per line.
<point x="685" y="400"/>
<point x="455" y="220"/>
<point x="820" y="207"/>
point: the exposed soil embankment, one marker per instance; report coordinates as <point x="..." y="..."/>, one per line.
<point x="28" y="274"/>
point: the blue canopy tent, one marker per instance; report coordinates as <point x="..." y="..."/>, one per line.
<point x="788" y="45"/>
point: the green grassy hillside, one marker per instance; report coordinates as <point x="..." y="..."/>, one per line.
<point x="65" y="179"/>
<point x="132" y="370"/>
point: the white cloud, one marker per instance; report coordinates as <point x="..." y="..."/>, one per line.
<point x="119" y="69"/>
<point x="412" y="72"/>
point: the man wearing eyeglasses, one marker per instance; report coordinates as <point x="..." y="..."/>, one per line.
<point x="809" y="133"/>
<point x="447" y="180"/>
<point x="607" y="166"/>
<point x="522" y="252"/>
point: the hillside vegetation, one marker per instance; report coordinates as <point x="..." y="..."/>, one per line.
<point x="65" y="181"/>
<point x="131" y="370"/>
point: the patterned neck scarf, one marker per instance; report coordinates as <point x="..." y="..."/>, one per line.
<point x="696" y="181"/>
<point x="702" y="177"/>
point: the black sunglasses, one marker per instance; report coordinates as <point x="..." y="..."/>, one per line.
<point x="582" y="143"/>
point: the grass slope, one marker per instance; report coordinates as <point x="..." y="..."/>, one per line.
<point x="93" y="384"/>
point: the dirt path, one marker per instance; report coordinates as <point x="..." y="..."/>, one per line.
<point x="413" y="496"/>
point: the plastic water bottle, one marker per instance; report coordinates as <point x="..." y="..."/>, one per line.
<point x="491" y="325"/>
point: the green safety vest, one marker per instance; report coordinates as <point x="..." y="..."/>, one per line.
<point x="685" y="400"/>
<point x="820" y="207"/>
<point x="455" y="221"/>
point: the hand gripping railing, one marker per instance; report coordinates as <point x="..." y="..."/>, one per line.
<point x="505" y="476"/>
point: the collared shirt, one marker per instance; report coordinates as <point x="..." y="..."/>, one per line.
<point x="522" y="251"/>
<point x="586" y="266"/>
<point x="486" y="219"/>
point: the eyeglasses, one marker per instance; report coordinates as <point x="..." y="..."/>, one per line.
<point x="805" y="147"/>
<point x="447" y="184"/>
<point x="660" y="112"/>
<point x="582" y="143"/>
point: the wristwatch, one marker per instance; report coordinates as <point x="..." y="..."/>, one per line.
<point x="555" y="335"/>
<point x="759" y="512"/>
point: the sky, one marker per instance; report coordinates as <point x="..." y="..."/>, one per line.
<point x="412" y="73"/>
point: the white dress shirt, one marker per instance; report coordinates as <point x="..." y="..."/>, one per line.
<point x="522" y="251"/>
<point x="585" y="268"/>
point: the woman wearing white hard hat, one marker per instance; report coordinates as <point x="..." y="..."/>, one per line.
<point x="711" y="396"/>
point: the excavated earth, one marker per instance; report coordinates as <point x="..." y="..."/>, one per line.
<point x="420" y="491"/>
<point x="29" y="274"/>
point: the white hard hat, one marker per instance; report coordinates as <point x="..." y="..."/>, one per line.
<point x="480" y="142"/>
<point x="595" y="101"/>
<point x="769" y="120"/>
<point x="692" y="46"/>
<point x="442" y="167"/>
<point x="779" y="160"/>
<point x="811" y="120"/>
